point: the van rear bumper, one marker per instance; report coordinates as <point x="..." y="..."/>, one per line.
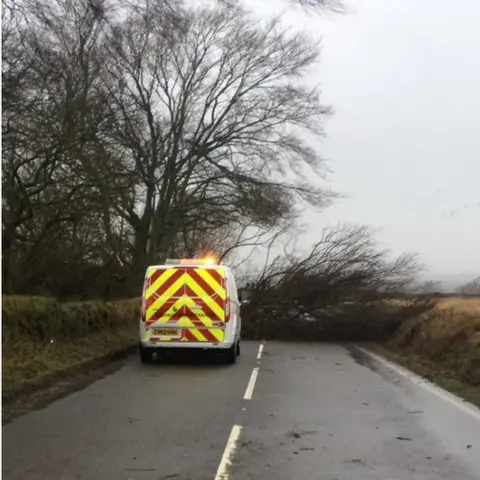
<point x="187" y="345"/>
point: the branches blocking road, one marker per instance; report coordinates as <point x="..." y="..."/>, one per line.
<point x="345" y="289"/>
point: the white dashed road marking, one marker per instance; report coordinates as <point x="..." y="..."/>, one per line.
<point x="260" y="352"/>
<point x="231" y="447"/>
<point x="228" y="453"/>
<point x="251" y="385"/>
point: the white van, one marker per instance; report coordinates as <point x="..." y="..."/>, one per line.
<point x="190" y="303"/>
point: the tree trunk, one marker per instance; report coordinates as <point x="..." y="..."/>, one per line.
<point x="139" y="258"/>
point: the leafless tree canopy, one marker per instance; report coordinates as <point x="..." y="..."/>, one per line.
<point x="132" y="130"/>
<point x="321" y="6"/>
<point x="345" y="288"/>
<point x="317" y="6"/>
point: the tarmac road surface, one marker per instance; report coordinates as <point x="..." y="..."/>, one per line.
<point x="285" y="411"/>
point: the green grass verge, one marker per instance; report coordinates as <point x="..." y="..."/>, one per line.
<point x="444" y="377"/>
<point x="45" y="341"/>
<point x="30" y="366"/>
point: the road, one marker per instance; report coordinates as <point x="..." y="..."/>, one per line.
<point x="285" y="411"/>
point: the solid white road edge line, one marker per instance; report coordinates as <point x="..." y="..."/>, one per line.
<point x="449" y="397"/>
<point x="228" y="453"/>
<point x="251" y="385"/>
<point x="260" y="351"/>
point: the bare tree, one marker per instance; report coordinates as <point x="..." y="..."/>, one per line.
<point x="209" y="111"/>
<point x="52" y="111"/>
<point x="320" y="6"/>
<point x="134" y="129"/>
<point x="334" y="6"/>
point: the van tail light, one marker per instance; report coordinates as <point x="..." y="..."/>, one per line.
<point x="143" y="310"/>
<point x="143" y="306"/>
<point x="227" y="310"/>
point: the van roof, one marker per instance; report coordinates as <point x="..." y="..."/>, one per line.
<point x="173" y="265"/>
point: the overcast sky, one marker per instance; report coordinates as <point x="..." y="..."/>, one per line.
<point x="403" y="77"/>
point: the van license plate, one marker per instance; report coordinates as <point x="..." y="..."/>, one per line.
<point x="166" y="332"/>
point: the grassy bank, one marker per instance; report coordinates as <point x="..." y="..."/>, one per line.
<point x="45" y="341"/>
<point x="443" y="345"/>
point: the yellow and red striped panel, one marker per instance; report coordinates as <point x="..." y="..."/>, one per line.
<point x="187" y="297"/>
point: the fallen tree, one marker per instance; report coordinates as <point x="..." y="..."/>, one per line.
<point x="344" y="289"/>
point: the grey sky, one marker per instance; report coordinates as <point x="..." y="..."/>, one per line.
<point x="403" y="77"/>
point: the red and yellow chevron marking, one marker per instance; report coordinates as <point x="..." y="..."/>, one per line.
<point x="186" y="297"/>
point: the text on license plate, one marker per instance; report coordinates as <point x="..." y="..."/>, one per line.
<point x="167" y="332"/>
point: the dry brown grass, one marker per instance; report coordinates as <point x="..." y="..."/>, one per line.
<point x="460" y="304"/>
<point x="444" y="343"/>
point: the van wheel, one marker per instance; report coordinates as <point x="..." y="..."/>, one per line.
<point x="237" y="349"/>
<point x="145" y="355"/>
<point x="231" y="354"/>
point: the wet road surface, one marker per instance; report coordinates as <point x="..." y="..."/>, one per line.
<point x="286" y="412"/>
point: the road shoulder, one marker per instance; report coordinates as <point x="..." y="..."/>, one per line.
<point x="444" y="378"/>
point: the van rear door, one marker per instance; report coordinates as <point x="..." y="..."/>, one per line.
<point x="186" y="303"/>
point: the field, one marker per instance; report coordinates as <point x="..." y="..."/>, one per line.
<point x="460" y="304"/>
